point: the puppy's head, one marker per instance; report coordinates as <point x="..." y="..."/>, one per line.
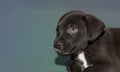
<point x="74" y="30"/>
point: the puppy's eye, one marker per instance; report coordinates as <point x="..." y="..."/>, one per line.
<point x="72" y="29"/>
<point x="57" y="33"/>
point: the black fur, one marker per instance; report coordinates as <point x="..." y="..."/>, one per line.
<point x="101" y="45"/>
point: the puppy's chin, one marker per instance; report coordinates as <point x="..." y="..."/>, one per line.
<point x="63" y="53"/>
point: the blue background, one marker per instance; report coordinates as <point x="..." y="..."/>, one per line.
<point x="27" y="30"/>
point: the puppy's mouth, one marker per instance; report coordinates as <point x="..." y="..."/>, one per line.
<point x="72" y="50"/>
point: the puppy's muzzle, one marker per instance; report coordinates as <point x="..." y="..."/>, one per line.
<point x="58" y="45"/>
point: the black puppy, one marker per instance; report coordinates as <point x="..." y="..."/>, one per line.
<point x="82" y="33"/>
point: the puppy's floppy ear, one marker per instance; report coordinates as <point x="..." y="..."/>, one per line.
<point x="94" y="27"/>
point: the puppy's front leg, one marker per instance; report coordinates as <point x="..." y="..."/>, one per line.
<point x="75" y="66"/>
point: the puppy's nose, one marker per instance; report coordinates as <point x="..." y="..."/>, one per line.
<point x="59" y="45"/>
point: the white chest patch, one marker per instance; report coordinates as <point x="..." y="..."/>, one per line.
<point x="82" y="58"/>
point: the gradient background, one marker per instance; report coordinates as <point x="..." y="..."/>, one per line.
<point x="27" y="30"/>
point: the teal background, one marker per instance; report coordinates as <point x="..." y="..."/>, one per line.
<point x="27" y="30"/>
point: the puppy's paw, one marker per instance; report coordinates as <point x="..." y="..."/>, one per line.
<point x="75" y="66"/>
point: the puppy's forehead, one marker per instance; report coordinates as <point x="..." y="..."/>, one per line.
<point x="70" y="16"/>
